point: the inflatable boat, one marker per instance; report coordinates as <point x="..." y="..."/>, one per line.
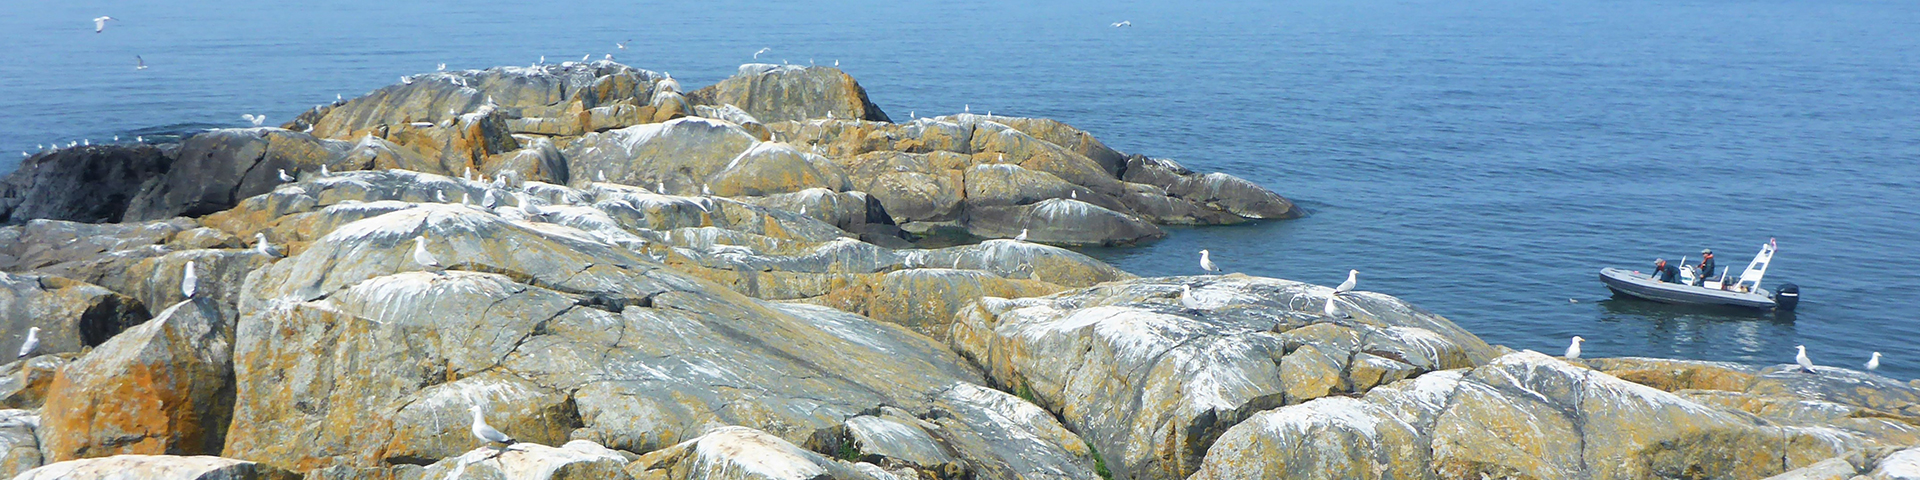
<point x="1744" y="292"/>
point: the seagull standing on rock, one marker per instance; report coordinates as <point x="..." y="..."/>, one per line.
<point x="1186" y="298"/>
<point x="1573" y="350"/>
<point x="1206" y="262"/>
<point x="284" y="177"/>
<point x="189" y="282"/>
<point x="1874" y="363"/>
<point x="486" y="433"/>
<point x="1347" y="286"/>
<point x="1801" y="358"/>
<point x="33" y="341"/>
<point x="1332" y="308"/>
<point x="260" y="245"/>
<point x="420" y="255"/>
<point x="1022" y="237"/>
<point x="488" y="200"/>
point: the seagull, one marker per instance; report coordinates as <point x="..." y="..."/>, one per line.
<point x="527" y="206"/>
<point x="836" y="62"/>
<point x="967" y="107"/>
<point x="1874" y="363"/>
<point x="1123" y="23"/>
<point x="86" y="142"/>
<point x="1206" y="262"/>
<point x="1022" y="237"/>
<point x="1186" y="298"/>
<point x="620" y="45"/>
<point x="609" y="57"/>
<point x="443" y="67"/>
<point x="420" y="255"/>
<point x="756" y="55"/>
<point x="704" y="190"/>
<point x="1073" y="194"/>
<point x="406" y="80"/>
<point x="440" y="196"/>
<point x="468" y="175"/>
<point x="600" y="175"/>
<point x="1347" y="286"/>
<point x="260" y="245"/>
<point x="100" y="23"/>
<point x="486" y="433"/>
<point x="466" y="199"/>
<point x="1801" y="358"/>
<point x="660" y="188"/>
<point x="189" y="281"/>
<point x="139" y="139"/>
<point x="488" y="200"/>
<point x="1573" y="350"/>
<point x="584" y="58"/>
<point x="1333" y="308"/>
<point x="139" y="63"/>
<point x="338" y="99"/>
<point x="33" y="341"/>
<point x="1572" y="301"/>
<point x="543" y="60"/>
<point x="256" y="119"/>
<point x="284" y="177"/>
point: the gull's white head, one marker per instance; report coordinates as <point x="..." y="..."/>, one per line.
<point x="1803" y="349"/>
<point x="1578" y="339"/>
<point x="34" y="330"/>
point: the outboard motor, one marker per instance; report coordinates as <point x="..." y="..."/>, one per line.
<point x="1786" y="297"/>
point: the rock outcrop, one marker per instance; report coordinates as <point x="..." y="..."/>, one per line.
<point x="156" y="467"/>
<point x="19" y="446"/>
<point x="70" y="315"/>
<point x="164" y="387"/>
<point x="778" y="93"/>
<point x="1151" y="375"/>
<point x="83" y="184"/>
<point x="1524" y="415"/>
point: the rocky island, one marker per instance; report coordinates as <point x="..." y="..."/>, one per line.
<point x="771" y="278"/>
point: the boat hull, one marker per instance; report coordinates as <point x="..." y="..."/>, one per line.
<point x="1636" y="285"/>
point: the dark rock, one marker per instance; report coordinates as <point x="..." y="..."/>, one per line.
<point x="71" y="315"/>
<point x="83" y="184"/>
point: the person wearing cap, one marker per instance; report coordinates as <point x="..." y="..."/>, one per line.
<point x="1665" y="272"/>
<point x="1706" y="267"/>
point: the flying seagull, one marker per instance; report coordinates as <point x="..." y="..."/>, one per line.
<point x="420" y="255"/>
<point x="1801" y="358"/>
<point x="139" y="63"/>
<point x="1347" y="286"/>
<point x="260" y="245"/>
<point x="486" y="433"/>
<point x="1206" y="262"/>
<point x="1123" y="23"/>
<point x="189" y="281"/>
<point x="100" y="23"/>
<point x="1573" y="350"/>
<point x="1874" y="363"/>
<point x="33" y="341"/>
<point x="257" y="120"/>
<point x="756" y="55"/>
<point x="441" y="68"/>
<point x="1022" y="237"/>
<point x="284" y="177"/>
<point x="621" y="45"/>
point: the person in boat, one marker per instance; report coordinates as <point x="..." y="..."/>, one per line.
<point x="1706" y="267"/>
<point x="1664" y="272"/>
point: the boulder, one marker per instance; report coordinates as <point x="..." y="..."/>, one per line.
<point x="1523" y="415"/>
<point x="24" y="382"/>
<point x="19" y="444"/>
<point x="156" y="467"/>
<point x="576" y="460"/>
<point x="778" y="93"/>
<point x="684" y="154"/>
<point x="1062" y="222"/>
<point x="71" y="315"/>
<point x="159" y="280"/>
<point x="164" y="387"/>
<point x="84" y="251"/>
<point x="1677" y="375"/>
<point x="214" y="170"/>
<point x="999" y="435"/>
<point x="1151" y="378"/>
<point x="769" y="168"/>
<point x="740" y="453"/>
<point x="583" y="338"/>
<point x="83" y="184"/>
<point x="1217" y="190"/>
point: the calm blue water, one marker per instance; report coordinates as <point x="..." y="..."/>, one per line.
<point x="1483" y="159"/>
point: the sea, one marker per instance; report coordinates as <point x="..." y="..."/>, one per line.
<point x="1482" y="159"/>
